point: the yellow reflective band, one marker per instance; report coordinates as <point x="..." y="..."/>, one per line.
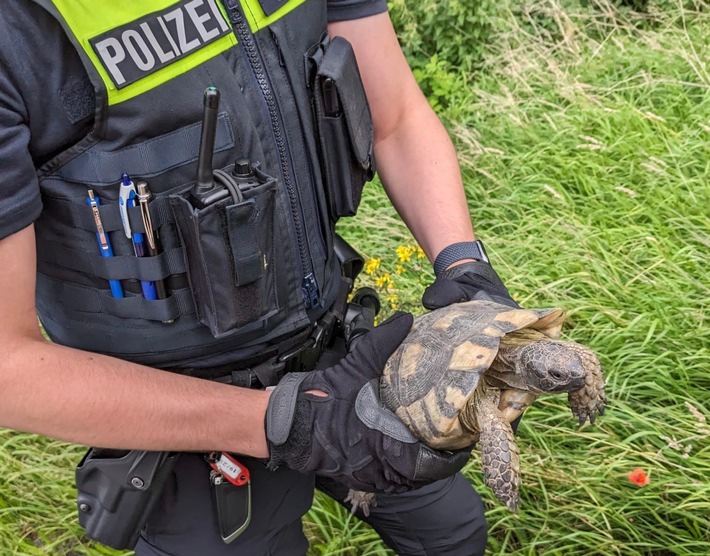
<point x="258" y="19"/>
<point x="137" y="45"/>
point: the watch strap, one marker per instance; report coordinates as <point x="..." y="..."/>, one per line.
<point x="458" y="252"/>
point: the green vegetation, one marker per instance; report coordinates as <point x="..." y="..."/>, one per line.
<point x="584" y="138"/>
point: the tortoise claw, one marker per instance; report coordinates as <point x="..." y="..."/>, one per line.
<point x="584" y="414"/>
<point x="362" y="501"/>
<point x="587" y="403"/>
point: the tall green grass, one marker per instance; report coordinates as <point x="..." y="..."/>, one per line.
<point x="585" y="146"/>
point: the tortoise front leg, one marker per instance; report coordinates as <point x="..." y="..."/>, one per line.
<point x="590" y="400"/>
<point x="501" y="458"/>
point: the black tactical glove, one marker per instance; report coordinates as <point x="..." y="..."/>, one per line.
<point x="348" y="434"/>
<point x="466" y="282"/>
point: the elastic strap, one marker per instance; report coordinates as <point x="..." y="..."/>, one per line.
<point x="458" y="252"/>
<point x="119" y="267"/>
<point x="86" y="299"/>
<point x="79" y="215"/>
<point x="282" y="407"/>
<point x="244" y="243"/>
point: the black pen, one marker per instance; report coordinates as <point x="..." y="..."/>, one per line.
<point x="151" y="236"/>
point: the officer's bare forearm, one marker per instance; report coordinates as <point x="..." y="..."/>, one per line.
<point x="420" y="171"/>
<point x="415" y="157"/>
<point x="96" y="400"/>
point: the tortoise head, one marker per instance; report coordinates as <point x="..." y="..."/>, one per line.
<point x="553" y="366"/>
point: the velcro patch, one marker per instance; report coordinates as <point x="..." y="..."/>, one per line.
<point x="143" y="46"/>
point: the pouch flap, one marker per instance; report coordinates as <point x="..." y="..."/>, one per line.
<point x="340" y="65"/>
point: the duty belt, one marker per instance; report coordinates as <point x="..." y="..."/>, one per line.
<point x="300" y="358"/>
<point x="298" y="353"/>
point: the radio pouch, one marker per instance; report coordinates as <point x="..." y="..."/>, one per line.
<point x="228" y="248"/>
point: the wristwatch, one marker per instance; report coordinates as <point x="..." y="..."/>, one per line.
<point x="458" y="252"/>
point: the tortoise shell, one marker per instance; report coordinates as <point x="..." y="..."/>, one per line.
<point x="429" y="379"/>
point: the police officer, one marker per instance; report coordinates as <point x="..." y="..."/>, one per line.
<point x="234" y="277"/>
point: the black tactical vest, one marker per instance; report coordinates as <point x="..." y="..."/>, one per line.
<point x="246" y="266"/>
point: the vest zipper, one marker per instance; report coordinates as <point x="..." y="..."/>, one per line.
<point x="309" y="285"/>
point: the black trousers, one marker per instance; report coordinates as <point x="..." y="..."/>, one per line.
<point x="445" y="518"/>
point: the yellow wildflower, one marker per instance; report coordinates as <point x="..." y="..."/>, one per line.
<point x="404" y="253"/>
<point x="383" y="281"/>
<point x="420" y="253"/>
<point x="399" y="269"/>
<point x="372" y="265"/>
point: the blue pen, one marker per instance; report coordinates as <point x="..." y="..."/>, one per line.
<point x="126" y="192"/>
<point x="148" y="288"/>
<point x="103" y="240"/>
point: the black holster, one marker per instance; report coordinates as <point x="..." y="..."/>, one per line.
<point x="117" y="491"/>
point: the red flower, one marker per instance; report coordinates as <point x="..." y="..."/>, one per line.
<point x="639" y="477"/>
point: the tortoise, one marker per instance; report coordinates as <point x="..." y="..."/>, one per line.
<point x="466" y="371"/>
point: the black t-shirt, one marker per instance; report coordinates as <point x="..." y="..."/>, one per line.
<point x="47" y="100"/>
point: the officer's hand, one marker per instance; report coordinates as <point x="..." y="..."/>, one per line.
<point x="466" y="282"/>
<point x="348" y="434"/>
